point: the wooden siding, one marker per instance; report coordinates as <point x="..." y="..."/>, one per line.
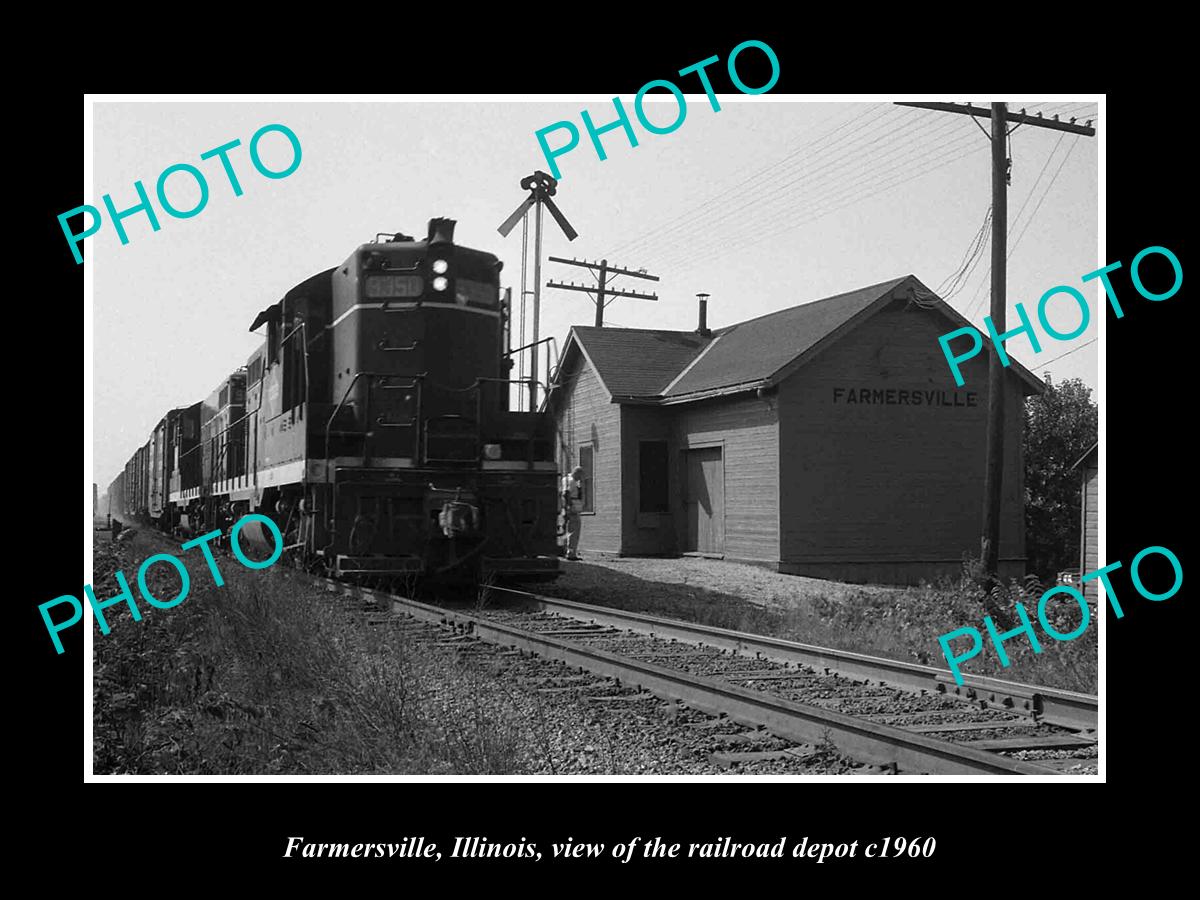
<point x="747" y="430"/>
<point x="586" y="415"/>
<point x="1090" y="530"/>
<point x="892" y="491"/>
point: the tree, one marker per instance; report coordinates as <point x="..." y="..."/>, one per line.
<point x="1060" y="427"/>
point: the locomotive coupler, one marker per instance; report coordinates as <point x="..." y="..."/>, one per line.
<point x="457" y="517"/>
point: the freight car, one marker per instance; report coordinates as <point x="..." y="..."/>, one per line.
<point x="116" y="497"/>
<point x="373" y="426"/>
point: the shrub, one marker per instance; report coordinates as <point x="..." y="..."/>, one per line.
<point x="261" y="677"/>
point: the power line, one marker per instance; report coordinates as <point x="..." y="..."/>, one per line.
<point x="659" y="229"/>
<point x="829" y="187"/>
<point x="663" y="229"/>
<point x="762" y="230"/>
<point x="777" y="226"/>
<point x="1037" y="181"/>
<point x="827" y="161"/>
<point x="829" y="191"/>
<point x="1045" y="194"/>
<point x="817" y="172"/>
<point x="1065" y="355"/>
<point x="973" y="305"/>
<point x="974" y="264"/>
<point x="1071" y="109"/>
<point x="824" y="177"/>
<point x="946" y="288"/>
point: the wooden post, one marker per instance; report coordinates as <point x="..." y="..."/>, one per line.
<point x="600" y="293"/>
<point x="993" y="479"/>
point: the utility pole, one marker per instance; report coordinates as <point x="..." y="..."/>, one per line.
<point x="600" y="293"/>
<point x="993" y="475"/>
<point x="602" y="289"/>
<point x="993" y="480"/>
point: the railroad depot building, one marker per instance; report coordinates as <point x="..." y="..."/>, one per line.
<point x="827" y="439"/>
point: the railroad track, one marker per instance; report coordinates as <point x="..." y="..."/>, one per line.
<point x="1066" y="709"/>
<point x="898" y="716"/>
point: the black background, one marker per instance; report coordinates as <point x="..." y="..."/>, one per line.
<point x="1002" y="828"/>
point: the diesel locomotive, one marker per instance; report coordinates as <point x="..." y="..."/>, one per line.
<point x="373" y="426"/>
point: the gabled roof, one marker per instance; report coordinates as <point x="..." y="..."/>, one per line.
<point x="637" y="365"/>
<point x="753" y="351"/>
<point x="635" y="361"/>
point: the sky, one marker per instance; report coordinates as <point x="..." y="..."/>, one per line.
<point x="764" y="205"/>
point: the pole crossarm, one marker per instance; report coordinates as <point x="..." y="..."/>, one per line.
<point x="634" y="294"/>
<point x="592" y="289"/>
<point x="571" y="287"/>
<point x="1020" y="118"/>
<point x="613" y="270"/>
<point x="605" y="294"/>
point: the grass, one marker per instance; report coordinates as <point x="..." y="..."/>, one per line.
<point x="902" y="623"/>
<point x="260" y="677"/>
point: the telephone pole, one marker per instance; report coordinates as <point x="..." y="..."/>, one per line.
<point x="993" y="476"/>
<point x="993" y="479"/>
<point x="602" y="290"/>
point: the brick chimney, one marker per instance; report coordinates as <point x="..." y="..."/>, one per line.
<point x="702" y="330"/>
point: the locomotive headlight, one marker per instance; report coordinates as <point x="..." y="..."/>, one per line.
<point x="440" y="283"/>
<point x="491" y="451"/>
<point x="440" y="266"/>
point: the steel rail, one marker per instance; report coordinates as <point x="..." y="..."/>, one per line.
<point x="1054" y="706"/>
<point x="867" y="741"/>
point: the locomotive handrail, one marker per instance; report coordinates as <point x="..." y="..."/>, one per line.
<point x="527" y="346"/>
<point x="511" y="381"/>
<point x="554" y="347"/>
<point x="227" y="428"/>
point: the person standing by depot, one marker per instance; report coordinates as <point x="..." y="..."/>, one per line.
<point x="572" y="495"/>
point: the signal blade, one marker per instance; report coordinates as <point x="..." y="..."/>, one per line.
<point x="570" y="232"/>
<point x="508" y="224"/>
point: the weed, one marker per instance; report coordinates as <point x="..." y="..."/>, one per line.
<point x="263" y="676"/>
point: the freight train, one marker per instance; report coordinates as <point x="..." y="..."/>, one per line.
<point x="372" y="425"/>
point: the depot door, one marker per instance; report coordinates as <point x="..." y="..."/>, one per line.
<point x="704" y="501"/>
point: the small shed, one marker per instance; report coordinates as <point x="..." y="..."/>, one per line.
<point x="827" y="439"/>
<point x="1088" y="466"/>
